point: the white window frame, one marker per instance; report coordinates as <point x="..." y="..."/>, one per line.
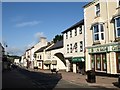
<point x="97" y="11"/>
<point x="116" y="28"/>
<point x="80" y="29"/>
<point x="70" y="48"/>
<point x="70" y="33"/>
<point x="67" y="48"/>
<point x="81" y="46"/>
<point x="66" y="35"/>
<point x="75" y="31"/>
<point x="99" y="32"/>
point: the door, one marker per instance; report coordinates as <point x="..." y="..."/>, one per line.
<point x="104" y="62"/>
<point x="118" y="61"/>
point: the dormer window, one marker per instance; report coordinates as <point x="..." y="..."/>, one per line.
<point x="98" y="32"/>
<point x="97" y="9"/>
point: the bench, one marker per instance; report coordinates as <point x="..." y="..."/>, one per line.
<point x="54" y="70"/>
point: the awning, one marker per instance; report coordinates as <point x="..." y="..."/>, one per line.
<point x="47" y="62"/>
<point x="54" y="62"/>
<point x="78" y="59"/>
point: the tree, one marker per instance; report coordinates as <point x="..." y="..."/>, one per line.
<point x="57" y="38"/>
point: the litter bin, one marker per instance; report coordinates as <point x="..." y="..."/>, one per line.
<point x="91" y="76"/>
<point x="119" y="80"/>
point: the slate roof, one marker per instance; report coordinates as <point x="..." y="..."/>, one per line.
<point x="57" y="45"/>
<point x="41" y="49"/>
<point x="74" y="26"/>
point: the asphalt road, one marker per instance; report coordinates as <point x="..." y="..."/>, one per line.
<point x="21" y="78"/>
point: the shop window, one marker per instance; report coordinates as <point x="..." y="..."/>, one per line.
<point x="39" y="64"/>
<point x="104" y="62"/>
<point x="98" y="62"/>
<point x="118" y="61"/>
<point x="93" y="61"/>
<point x="97" y="9"/>
<point x="117" y="26"/>
<point x="98" y="32"/>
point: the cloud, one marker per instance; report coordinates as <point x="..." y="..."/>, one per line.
<point x="15" y="51"/>
<point x="30" y="23"/>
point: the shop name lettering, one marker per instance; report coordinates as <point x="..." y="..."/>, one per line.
<point x="115" y="48"/>
<point x="101" y="49"/>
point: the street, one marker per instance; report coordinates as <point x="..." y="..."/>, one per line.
<point x="22" y="78"/>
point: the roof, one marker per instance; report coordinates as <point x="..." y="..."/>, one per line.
<point x="88" y="4"/>
<point x="41" y="49"/>
<point x="57" y="45"/>
<point x="81" y="22"/>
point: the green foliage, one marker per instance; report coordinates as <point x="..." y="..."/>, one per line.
<point x="57" y="38"/>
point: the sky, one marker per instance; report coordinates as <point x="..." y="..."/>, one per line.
<point x="24" y="22"/>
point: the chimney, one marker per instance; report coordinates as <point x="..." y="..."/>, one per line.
<point x="43" y="39"/>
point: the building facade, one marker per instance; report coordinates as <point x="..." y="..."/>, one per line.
<point x="102" y="36"/>
<point x="74" y="47"/>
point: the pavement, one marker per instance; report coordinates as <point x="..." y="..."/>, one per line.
<point x="73" y="78"/>
<point x="76" y="78"/>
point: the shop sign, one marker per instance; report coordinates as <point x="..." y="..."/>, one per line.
<point x="78" y="59"/>
<point x="115" y="48"/>
<point x="98" y="49"/>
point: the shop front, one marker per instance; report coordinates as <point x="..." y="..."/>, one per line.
<point x="104" y="58"/>
<point x="47" y="64"/>
<point x="78" y="64"/>
<point x="98" y="58"/>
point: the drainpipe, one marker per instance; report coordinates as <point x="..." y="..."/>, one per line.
<point x="108" y="29"/>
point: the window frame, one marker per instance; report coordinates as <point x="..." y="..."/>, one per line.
<point x="67" y="48"/>
<point x="80" y="29"/>
<point x="116" y="28"/>
<point x="75" y="31"/>
<point x="66" y="35"/>
<point x="70" y="33"/>
<point x="99" y="32"/>
<point x="81" y="46"/>
<point x="70" y="48"/>
<point x="97" y="10"/>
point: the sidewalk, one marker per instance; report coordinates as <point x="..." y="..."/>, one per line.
<point x="78" y="79"/>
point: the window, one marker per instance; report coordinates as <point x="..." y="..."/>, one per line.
<point x="75" y="31"/>
<point x="97" y="8"/>
<point x="80" y="30"/>
<point x="70" y="33"/>
<point x="70" y="48"/>
<point x="117" y="26"/>
<point x="67" y="48"/>
<point x="81" y="46"/>
<point x="98" y="32"/>
<point x="66" y="35"/>
<point x="40" y="56"/>
<point x="75" y="47"/>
